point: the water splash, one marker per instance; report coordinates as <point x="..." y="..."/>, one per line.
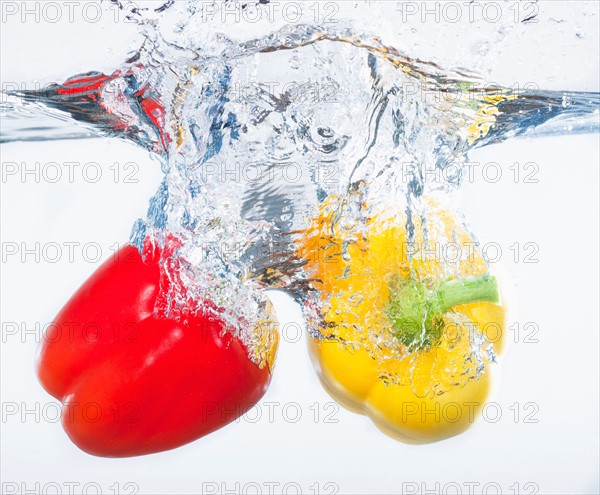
<point x="256" y="135"/>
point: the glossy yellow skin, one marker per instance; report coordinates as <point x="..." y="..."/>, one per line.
<point x="415" y="397"/>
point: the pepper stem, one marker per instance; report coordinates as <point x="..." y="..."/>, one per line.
<point x="415" y="310"/>
<point x="467" y="290"/>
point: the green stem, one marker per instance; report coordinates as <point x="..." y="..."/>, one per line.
<point x="415" y="311"/>
<point x="467" y="290"/>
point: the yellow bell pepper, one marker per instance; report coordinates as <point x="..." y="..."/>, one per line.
<point x="403" y="332"/>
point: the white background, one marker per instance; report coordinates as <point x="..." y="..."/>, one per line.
<point x="559" y="453"/>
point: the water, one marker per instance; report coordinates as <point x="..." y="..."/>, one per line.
<point x="256" y="136"/>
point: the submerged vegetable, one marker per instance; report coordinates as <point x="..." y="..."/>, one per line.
<point x="404" y="332"/>
<point x="134" y="382"/>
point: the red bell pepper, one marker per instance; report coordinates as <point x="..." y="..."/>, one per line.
<point x="134" y="383"/>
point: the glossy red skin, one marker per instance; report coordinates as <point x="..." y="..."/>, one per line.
<point x="153" y="385"/>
